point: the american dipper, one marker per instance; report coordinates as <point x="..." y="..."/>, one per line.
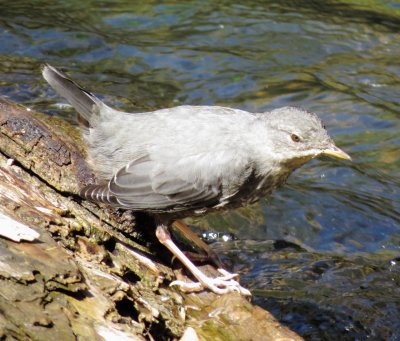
<point x="190" y="160"/>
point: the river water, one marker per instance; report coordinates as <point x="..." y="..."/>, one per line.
<point x="322" y="253"/>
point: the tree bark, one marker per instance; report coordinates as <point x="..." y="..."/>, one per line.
<point x="93" y="274"/>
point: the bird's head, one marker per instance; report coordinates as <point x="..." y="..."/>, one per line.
<point x="299" y="136"/>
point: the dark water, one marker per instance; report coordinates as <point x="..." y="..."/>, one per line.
<point x="337" y="276"/>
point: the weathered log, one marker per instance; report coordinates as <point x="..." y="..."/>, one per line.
<point x="90" y="275"/>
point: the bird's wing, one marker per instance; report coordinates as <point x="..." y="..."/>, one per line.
<point x="146" y="184"/>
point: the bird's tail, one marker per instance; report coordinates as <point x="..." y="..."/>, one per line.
<point x="83" y="101"/>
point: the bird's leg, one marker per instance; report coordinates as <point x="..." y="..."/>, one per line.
<point x="219" y="285"/>
<point x="193" y="237"/>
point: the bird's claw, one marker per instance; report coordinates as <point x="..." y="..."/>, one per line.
<point x="227" y="275"/>
<point x="219" y="285"/>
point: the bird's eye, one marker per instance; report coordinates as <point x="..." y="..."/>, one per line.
<point x="295" y="138"/>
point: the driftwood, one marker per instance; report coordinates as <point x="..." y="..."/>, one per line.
<point x="92" y="274"/>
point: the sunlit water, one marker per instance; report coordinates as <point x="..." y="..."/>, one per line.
<point x="340" y="275"/>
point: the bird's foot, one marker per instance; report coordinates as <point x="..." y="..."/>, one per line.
<point x="219" y="285"/>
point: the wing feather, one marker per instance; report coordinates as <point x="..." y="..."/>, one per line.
<point x="145" y="184"/>
<point x="173" y="184"/>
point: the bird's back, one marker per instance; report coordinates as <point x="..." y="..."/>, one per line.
<point x="168" y="135"/>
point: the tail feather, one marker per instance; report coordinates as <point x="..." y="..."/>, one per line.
<point x="83" y="101"/>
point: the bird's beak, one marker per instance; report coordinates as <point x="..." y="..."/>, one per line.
<point x="336" y="152"/>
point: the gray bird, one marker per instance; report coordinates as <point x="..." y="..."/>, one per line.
<point x="190" y="160"/>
